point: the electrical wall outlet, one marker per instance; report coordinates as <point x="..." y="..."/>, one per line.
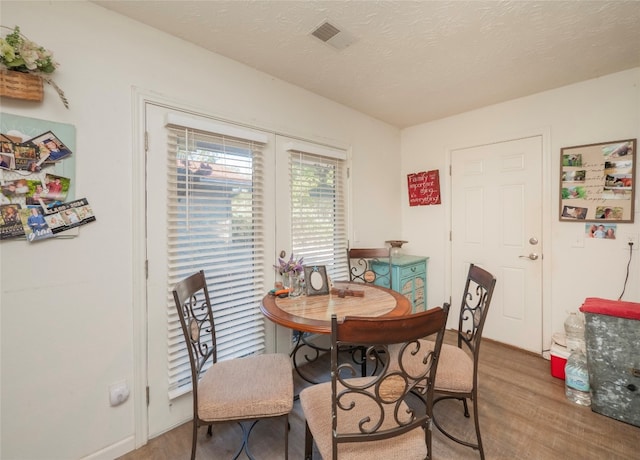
<point x="578" y="241"/>
<point x="627" y="238"/>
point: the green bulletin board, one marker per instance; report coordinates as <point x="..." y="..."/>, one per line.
<point x="28" y="128"/>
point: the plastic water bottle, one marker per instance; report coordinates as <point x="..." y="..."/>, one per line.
<point x="576" y="381"/>
<point x="574" y="331"/>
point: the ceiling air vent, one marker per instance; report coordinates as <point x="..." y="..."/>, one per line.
<point x="326" y="32"/>
<point x="333" y="36"/>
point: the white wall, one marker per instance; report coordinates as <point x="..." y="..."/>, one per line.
<point x="599" y="110"/>
<point x="67" y="306"/>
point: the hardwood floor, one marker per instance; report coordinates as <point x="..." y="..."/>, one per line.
<point x="523" y="415"/>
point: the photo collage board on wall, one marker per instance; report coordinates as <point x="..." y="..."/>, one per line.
<point x="37" y="179"/>
<point x="597" y="182"/>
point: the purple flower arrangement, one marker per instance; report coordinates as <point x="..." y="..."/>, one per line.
<point x="291" y="265"/>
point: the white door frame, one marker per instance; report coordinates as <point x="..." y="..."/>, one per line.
<point x="138" y="268"/>
<point x="547" y="208"/>
<point x="139" y="99"/>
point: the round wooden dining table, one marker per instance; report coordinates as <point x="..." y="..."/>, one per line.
<point x="313" y="313"/>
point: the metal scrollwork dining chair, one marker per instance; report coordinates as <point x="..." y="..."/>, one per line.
<point x="369" y="266"/>
<point x="366" y="265"/>
<point x="457" y="376"/>
<point x="372" y="417"/>
<point x="237" y="390"/>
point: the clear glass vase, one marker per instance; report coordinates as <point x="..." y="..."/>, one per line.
<point x="291" y="281"/>
<point x="396" y="247"/>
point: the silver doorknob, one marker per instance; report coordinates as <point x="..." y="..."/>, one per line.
<point x="532" y="256"/>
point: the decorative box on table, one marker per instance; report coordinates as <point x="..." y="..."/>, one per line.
<point x="612" y="335"/>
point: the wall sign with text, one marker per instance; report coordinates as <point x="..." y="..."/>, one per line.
<point x="597" y="182"/>
<point x="424" y="188"/>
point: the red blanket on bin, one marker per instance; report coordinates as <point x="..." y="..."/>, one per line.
<point x="619" y="308"/>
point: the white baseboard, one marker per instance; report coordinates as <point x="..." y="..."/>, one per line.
<point x="114" y="450"/>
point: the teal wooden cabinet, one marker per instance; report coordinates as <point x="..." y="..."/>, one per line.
<point x="408" y="277"/>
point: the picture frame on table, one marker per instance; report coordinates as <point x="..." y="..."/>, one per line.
<point x="316" y="281"/>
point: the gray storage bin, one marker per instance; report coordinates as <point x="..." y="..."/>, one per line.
<point x="612" y="336"/>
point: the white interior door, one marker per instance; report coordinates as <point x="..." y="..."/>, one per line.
<point x="497" y="224"/>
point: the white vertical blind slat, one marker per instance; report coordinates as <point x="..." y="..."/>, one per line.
<point x="318" y="217"/>
<point x="215" y="223"/>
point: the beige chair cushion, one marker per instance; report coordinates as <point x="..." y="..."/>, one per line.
<point x="245" y="388"/>
<point x="316" y="405"/>
<point x="455" y="369"/>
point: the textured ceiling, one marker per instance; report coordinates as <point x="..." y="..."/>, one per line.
<point x="412" y="61"/>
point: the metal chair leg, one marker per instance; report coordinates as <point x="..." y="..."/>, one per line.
<point x="287" y="427"/>
<point x="245" y="440"/>
<point x="466" y="407"/>
<point x="308" y="443"/>
<point x="428" y="433"/>
<point x="477" y="422"/>
<point x="477" y="446"/>
<point x="194" y="439"/>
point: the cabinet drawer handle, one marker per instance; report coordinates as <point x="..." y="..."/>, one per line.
<point x="413" y="269"/>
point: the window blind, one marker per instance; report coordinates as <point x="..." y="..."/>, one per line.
<point x="215" y="223"/>
<point x="318" y="210"/>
